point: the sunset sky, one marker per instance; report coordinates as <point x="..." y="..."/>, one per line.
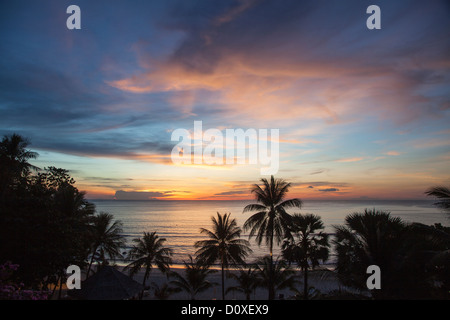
<point x="361" y="113"/>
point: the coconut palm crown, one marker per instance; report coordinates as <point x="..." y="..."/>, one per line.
<point x="271" y="221"/>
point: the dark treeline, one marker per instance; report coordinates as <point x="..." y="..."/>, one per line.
<point x="46" y="224"/>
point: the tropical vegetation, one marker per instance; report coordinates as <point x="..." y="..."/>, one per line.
<point x="146" y="252"/>
<point x="107" y="240"/>
<point x="271" y="221"/>
<point x="246" y="281"/>
<point x="274" y="275"/>
<point x="45" y="220"/>
<point x="409" y="255"/>
<point x="223" y="245"/>
<point x="442" y="193"/>
<point x="308" y="245"/>
<point x="195" y="277"/>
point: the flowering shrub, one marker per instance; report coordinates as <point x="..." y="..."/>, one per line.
<point x="9" y="290"/>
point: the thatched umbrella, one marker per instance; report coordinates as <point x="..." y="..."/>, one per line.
<point x="107" y="284"/>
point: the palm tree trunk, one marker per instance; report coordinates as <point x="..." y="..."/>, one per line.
<point x="271" y="274"/>
<point x="271" y="280"/>
<point x="305" y="279"/>
<point x="143" y="283"/>
<point x="90" y="263"/>
<point x="54" y="288"/>
<point x="271" y="251"/>
<point x="60" y="286"/>
<point x="271" y="291"/>
<point x="271" y="246"/>
<point x="223" y="283"/>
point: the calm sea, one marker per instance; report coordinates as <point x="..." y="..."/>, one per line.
<point x="180" y="221"/>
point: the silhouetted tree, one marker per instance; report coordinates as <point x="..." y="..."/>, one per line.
<point x="443" y="194"/>
<point x="44" y="218"/>
<point x="369" y="238"/>
<point x="164" y="291"/>
<point x="14" y="163"/>
<point x="308" y="245"/>
<point x="194" y="280"/>
<point x="404" y="253"/>
<point x="247" y="282"/>
<point x="271" y="221"/>
<point x="106" y="235"/>
<point x="223" y="245"/>
<point x="146" y="252"/>
<point x="274" y="275"/>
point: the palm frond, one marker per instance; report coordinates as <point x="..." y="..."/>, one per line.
<point x="291" y="203"/>
<point x="254" y="207"/>
<point x="442" y="193"/>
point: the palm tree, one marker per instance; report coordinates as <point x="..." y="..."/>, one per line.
<point x="413" y="258"/>
<point x="72" y="203"/>
<point x="428" y="261"/>
<point x="14" y="159"/>
<point x="106" y="237"/>
<point x="224" y="245"/>
<point x="14" y="149"/>
<point x="370" y="238"/>
<point x="247" y="282"/>
<point x="443" y="194"/>
<point x="274" y="275"/>
<point x="164" y="291"/>
<point x="271" y="221"/>
<point x="194" y="281"/>
<point x="147" y="251"/>
<point x="310" y="246"/>
<point x="312" y="293"/>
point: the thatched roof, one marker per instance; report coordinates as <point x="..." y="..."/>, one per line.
<point x="107" y="284"/>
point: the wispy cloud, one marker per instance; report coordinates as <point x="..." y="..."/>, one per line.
<point x="312" y="184"/>
<point x="355" y="159"/>
<point x="329" y="190"/>
<point x="231" y="193"/>
<point x="137" y="195"/>
<point x="393" y="153"/>
<point x="318" y="171"/>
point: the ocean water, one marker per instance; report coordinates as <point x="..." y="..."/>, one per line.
<point x="179" y="222"/>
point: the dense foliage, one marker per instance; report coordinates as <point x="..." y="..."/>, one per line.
<point x="46" y="224"/>
<point x="413" y="258"/>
